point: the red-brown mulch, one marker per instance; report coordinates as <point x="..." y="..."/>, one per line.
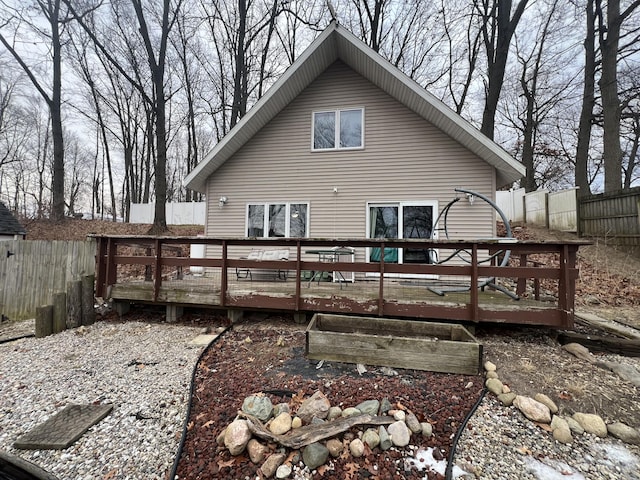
<point x="234" y="367"/>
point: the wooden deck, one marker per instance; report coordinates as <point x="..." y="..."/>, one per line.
<point x="157" y="270"/>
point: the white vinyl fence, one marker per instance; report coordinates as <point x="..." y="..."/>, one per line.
<point x="555" y="210"/>
<point x="179" y="213"/>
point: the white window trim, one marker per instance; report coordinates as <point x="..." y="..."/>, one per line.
<point x="337" y="129"/>
<point x="413" y="203"/>
<point x="265" y="220"/>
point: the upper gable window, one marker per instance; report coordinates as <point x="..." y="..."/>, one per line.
<point x="338" y="129"/>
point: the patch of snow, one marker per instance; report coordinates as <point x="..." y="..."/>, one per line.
<point x="549" y="469"/>
<point x="424" y="460"/>
<point x="617" y="456"/>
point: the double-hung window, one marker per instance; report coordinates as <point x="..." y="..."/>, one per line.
<point x="338" y="129"/>
<point x="270" y="220"/>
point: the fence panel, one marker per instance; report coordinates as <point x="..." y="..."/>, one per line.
<point x="615" y="216"/>
<point x="563" y="210"/>
<point x="178" y="213"/>
<point x="511" y="203"/>
<point x="536" y="207"/>
<point x="31" y="271"/>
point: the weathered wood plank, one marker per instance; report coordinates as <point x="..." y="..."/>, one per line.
<point x="418" y="352"/>
<point x="384" y="326"/>
<point x="597" y="343"/>
<point x="313" y="433"/>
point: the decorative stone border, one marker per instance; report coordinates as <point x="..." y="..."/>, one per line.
<point x="541" y="409"/>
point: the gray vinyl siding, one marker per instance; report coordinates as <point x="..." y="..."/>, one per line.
<point x="404" y="158"/>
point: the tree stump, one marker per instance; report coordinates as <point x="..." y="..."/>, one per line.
<point x="59" y="312"/>
<point x="44" y="321"/>
<point x="74" y="304"/>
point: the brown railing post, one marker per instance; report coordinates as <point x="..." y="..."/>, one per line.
<point x="298" y="275"/>
<point x="157" y="278"/>
<point x="473" y="286"/>
<point x="223" y="276"/>
<point x="381" y="286"/>
<point x="565" y="284"/>
<point x="101" y="267"/>
<point x="111" y="262"/>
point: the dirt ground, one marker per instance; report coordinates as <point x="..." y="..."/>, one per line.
<point x="529" y="360"/>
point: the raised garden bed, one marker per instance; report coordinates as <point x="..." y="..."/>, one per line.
<point x="435" y="347"/>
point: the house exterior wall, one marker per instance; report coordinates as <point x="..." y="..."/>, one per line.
<point x="404" y="158"/>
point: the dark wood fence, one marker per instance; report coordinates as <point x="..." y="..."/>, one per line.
<point x="614" y="217"/>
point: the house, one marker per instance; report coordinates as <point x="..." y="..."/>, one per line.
<point x="10" y="228"/>
<point x="344" y="145"/>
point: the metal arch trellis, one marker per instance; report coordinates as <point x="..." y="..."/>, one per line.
<point x="444" y="213"/>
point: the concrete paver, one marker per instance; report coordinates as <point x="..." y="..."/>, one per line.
<point x="64" y="428"/>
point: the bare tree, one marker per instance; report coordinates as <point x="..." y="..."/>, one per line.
<point x="609" y="39"/>
<point x="498" y="27"/>
<point x="52" y="93"/>
<point x="582" y="180"/>
<point x="157" y="99"/>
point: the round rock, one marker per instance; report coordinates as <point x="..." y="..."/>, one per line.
<point x="283" y="471"/>
<point x="335" y="447"/>
<point x="427" y="429"/>
<point x="236" y="436"/>
<point x="356" y="447"/>
<point x="371" y="438"/>
<point x="281" y="424"/>
<point x="532" y="409"/>
<point x="591" y="423"/>
<point x="314" y="455"/>
<point x="259" y="406"/>
<point x="369" y="407"/>
<point x="317" y="405"/>
<point x="545" y="400"/>
<point x="400" y="434"/>
<point x="624" y="432"/>
<point x="494" y="386"/>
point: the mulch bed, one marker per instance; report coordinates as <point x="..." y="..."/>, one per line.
<point x="248" y="360"/>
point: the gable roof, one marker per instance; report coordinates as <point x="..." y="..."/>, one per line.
<point x="337" y="43"/>
<point x="8" y="223"/>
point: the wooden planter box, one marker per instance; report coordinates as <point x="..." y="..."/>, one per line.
<point x="437" y="347"/>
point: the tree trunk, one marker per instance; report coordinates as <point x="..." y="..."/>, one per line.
<point x="498" y="28"/>
<point x="57" y="188"/>
<point x="240" y="81"/>
<point x="588" y="102"/>
<point x="609" y="40"/>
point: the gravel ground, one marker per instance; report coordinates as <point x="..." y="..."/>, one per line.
<point x="500" y="443"/>
<point x="144" y="370"/>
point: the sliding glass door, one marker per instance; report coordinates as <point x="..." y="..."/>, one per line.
<point x="401" y="220"/>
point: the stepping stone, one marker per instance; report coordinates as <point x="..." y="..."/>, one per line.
<point x="203" y="340"/>
<point x="64" y="428"/>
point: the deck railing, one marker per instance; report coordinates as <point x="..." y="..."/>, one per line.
<point x="158" y="260"/>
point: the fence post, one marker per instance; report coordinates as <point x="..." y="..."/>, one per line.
<point x="59" y="312"/>
<point x="74" y="304"/>
<point x="88" y="308"/>
<point x="44" y="321"/>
